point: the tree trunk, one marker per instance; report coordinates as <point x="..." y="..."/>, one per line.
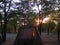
<point x="1" y="26"/>
<point x="5" y="27"/>
<point x="15" y="28"/>
<point x="39" y="27"/>
<point x="5" y="22"/>
<point x="48" y="29"/>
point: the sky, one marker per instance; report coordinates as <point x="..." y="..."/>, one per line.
<point x="35" y="8"/>
<point x="16" y="0"/>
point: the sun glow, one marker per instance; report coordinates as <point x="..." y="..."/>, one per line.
<point x="37" y="22"/>
<point x="45" y="20"/>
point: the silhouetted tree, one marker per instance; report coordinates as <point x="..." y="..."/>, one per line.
<point x="5" y="11"/>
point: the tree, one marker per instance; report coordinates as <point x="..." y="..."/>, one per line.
<point x="5" y="11"/>
<point x="23" y="10"/>
<point x="1" y="23"/>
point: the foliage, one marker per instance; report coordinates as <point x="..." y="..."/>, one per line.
<point x="50" y="25"/>
<point x="24" y="10"/>
<point x="44" y="27"/>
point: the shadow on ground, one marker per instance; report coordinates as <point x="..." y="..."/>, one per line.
<point x="27" y="41"/>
